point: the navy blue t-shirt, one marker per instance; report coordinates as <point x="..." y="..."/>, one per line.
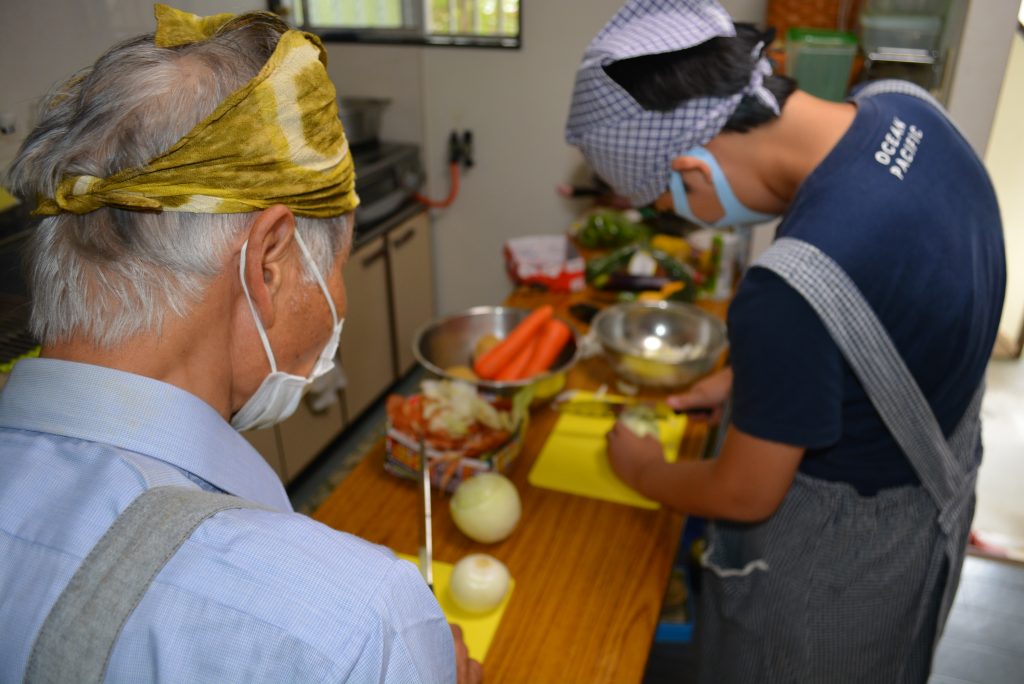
<point x="905" y="207"/>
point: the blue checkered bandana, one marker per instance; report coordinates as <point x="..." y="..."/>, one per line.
<point x="630" y="147"/>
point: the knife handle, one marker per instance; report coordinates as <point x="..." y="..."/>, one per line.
<point x="695" y="412"/>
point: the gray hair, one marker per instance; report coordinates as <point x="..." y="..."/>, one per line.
<point x="110" y="274"/>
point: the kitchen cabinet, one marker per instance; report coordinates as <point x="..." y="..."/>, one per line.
<point x="390" y="285"/>
<point x="412" y="282"/>
<point x="365" y="349"/>
<point x="306" y="433"/>
<point x="265" y="442"/>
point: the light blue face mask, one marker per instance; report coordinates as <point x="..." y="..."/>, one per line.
<point x="736" y="213"/>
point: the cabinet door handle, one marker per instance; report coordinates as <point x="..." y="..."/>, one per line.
<point x="376" y="256"/>
<point x="405" y="237"/>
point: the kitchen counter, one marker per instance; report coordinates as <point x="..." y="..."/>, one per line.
<point x="590" y="575"/>
<point x="406" y="212"/>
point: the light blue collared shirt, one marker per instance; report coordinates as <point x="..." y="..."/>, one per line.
<point x="252" y="596"/>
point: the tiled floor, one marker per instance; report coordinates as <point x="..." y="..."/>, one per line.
<point x="984" y="639"/>
<point x="1000" y="513"/>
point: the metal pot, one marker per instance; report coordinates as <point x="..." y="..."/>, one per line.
<point x="361" y="118"/>
<point x="449" y="341"/>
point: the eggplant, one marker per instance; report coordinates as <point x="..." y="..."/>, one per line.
<point x="620" y="281"/>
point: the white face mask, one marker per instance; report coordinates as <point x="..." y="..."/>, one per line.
<point x="279" y="394"/>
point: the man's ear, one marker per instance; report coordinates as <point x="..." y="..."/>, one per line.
<point x="270" y="238"/>
<point x="683" y="164"/>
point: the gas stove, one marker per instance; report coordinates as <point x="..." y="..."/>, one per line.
<point x="388" y="174"/>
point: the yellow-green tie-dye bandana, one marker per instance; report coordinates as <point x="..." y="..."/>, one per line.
<point x="276" y="140"/>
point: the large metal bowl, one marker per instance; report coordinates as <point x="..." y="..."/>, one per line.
<point x="449" y="342"/>
<point x="659" y="344"/>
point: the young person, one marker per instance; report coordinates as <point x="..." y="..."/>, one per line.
<point x="843" y="493"/>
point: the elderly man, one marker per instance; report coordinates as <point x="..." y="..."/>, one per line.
<point x="844" y="489"/>
<point x="187" y="283"/>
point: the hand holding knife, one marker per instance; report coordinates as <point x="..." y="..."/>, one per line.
<point x="601" y="407"/>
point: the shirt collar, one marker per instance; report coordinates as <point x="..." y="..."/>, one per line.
<point x="139" y="414"/>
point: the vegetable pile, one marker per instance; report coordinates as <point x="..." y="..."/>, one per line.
<point x="639" y="267"/>
<point x="451" y="416"/>
<point x="610" y="229"/>
<point x="530" y="349"/>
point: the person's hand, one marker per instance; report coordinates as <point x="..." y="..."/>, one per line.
<point x="467" y="670"/>
<point x="630" y="455"/>
<point x="709" y="393"/>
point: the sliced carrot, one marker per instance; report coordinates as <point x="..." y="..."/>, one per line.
<point x="490" y="364"/>
<point x="513" y="370"/>
<point x="550" y="340"/>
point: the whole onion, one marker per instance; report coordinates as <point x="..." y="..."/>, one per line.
<point x="478" y="583"/>
<point x="486" y="507"/>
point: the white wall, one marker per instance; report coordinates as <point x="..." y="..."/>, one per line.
<point x="984" y="49"/>
<point x="516" y="103"/>
<point x="44" y="42"/>
<point x="392" y="72"/>
<point x="1005" y="162"/>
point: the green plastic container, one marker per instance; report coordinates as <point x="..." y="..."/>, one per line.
<point x="820" y="60"/>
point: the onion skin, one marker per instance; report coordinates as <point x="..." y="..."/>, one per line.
<point x="479" y="583"/>
<point x="486" y="507"/>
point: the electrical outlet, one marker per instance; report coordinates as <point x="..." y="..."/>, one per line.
<point x="7" y="123"/>
<point x="468" y="155"/>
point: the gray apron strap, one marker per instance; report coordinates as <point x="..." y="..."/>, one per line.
<point x="868" y="349"/>
<point x="78" y="635"/>
<point x="947" y="476"/>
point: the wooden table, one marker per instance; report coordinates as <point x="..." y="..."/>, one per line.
<point x="590" y="575"/>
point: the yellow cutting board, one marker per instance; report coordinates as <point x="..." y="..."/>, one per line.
<point x="575" y="457"/>
<point x="477" y="630"/>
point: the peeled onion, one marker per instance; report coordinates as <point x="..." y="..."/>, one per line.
<point x="486" y="507"/>
<point x="478" y="583"/>
<point x="641" y="420"/>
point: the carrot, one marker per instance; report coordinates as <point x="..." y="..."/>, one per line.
<point x="550" y="340"/>
<point x="513" y="370"/>
<point x="490" y="364"/>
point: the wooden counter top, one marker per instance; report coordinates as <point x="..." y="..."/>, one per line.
<point x="590" y="575"/>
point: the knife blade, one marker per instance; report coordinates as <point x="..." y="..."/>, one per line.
<point x="600" y="408"/>
<point x="426" y="528"/>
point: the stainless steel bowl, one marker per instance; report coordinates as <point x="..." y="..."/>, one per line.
<point x="361" y="118"/>
<point x="659" y="344"/>
<point x="449" y="342"/>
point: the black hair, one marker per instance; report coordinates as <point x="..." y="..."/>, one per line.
<point x="716" y="68"/>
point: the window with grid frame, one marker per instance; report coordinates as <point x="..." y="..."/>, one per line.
<point x="477" y="23"/>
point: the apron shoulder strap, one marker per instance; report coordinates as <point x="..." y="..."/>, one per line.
<point x="79" y="633"/>
<point x="868" y="349"/>
<point x="892" y="85"/>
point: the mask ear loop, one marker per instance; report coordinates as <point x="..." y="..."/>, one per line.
<point x="252" y="308"/>
<point x="316" y="274"/>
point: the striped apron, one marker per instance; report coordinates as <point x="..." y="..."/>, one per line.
<point x="835" y="586"/>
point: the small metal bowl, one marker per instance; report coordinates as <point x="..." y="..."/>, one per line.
<point x="449" y="341"/>
<point x="659" y="344"/>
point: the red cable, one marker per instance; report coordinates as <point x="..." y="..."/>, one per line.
<point x="453" y="171"/>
